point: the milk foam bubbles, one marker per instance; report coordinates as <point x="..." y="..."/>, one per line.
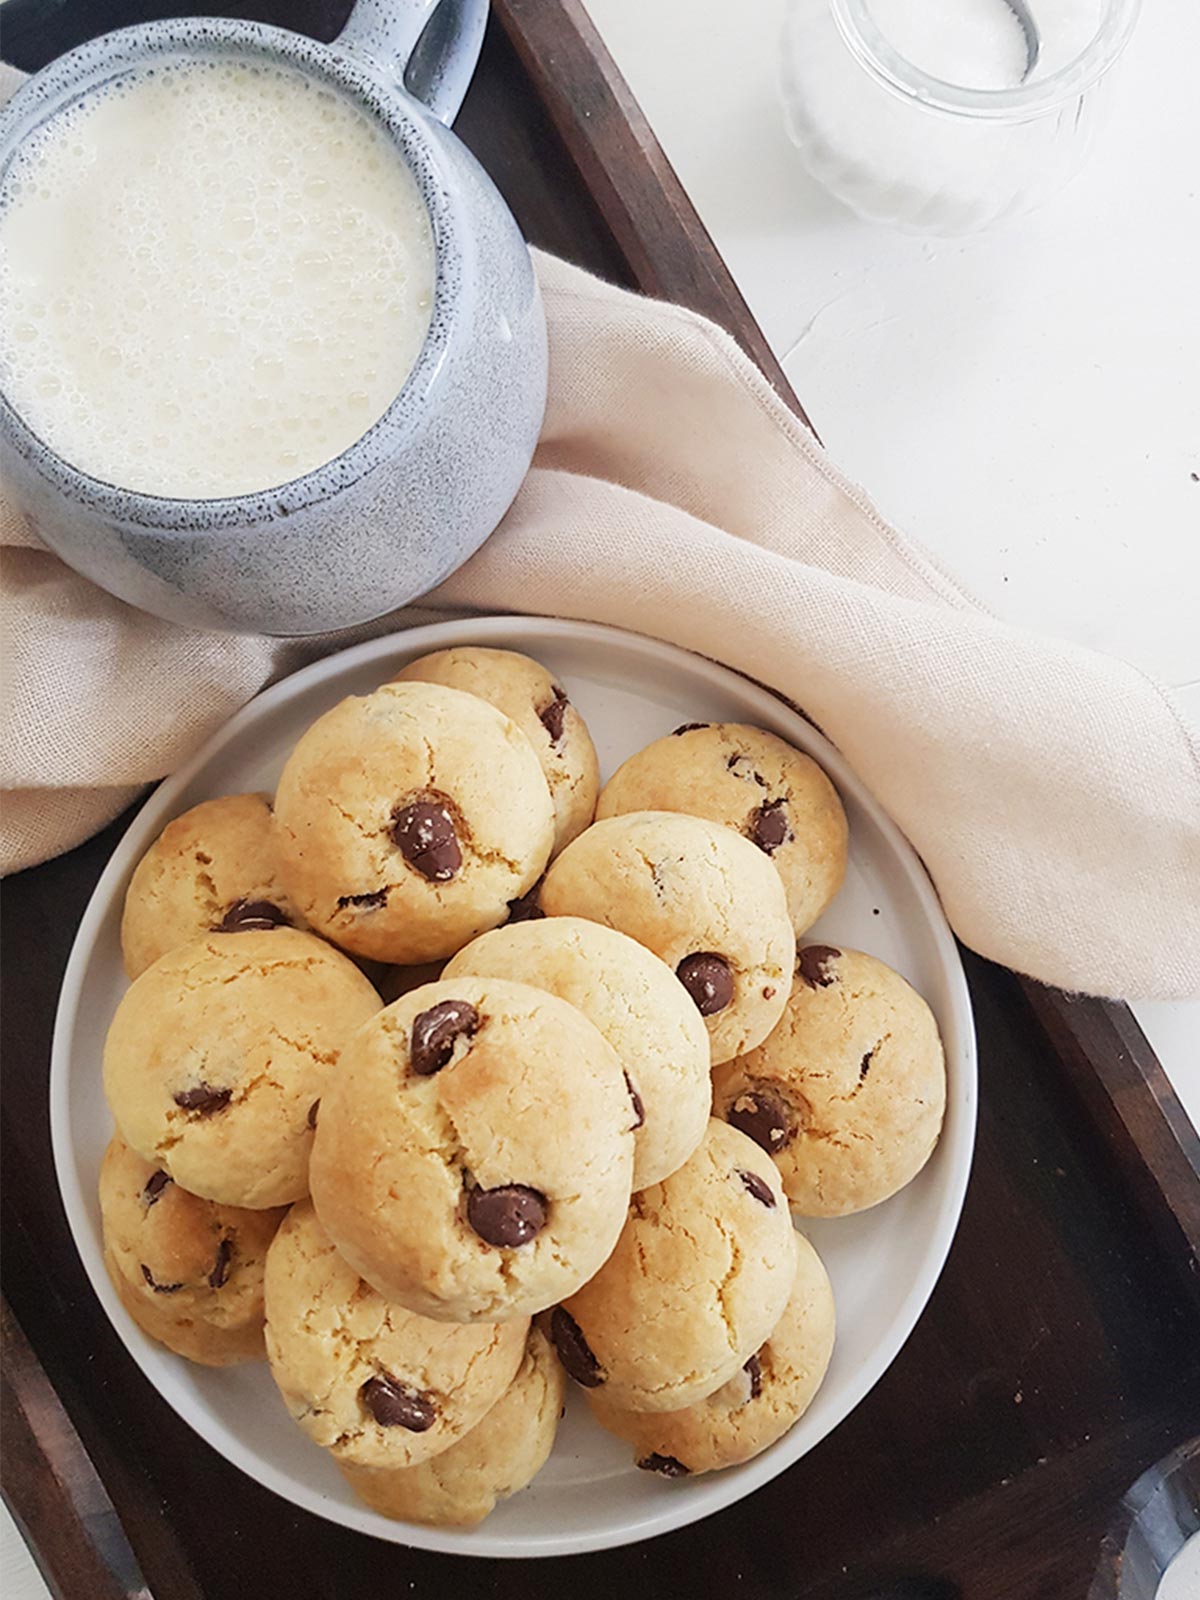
<point x="214" y="277"/>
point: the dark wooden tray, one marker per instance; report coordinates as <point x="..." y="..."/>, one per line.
<point x="1060" y="1354"/>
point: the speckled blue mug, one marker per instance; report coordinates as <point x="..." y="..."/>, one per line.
<point x="422" y="489"/>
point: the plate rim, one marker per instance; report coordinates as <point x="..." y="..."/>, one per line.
<point x="710" y="1493"/>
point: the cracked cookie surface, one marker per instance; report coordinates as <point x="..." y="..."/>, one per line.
<point x="759" y="1403"/>
<point x="700" y="1275"/>
<point x="474" y="1154"/>
<point x="499" y="1456"/>
<point x="409" y="818"/>
<point x="849" y="1091"/>
<point x="640" y="1007"/>
<point x="752" y="781"/>
<point x="523" y="690"/>
<point x="218" y="1053"/>
<point x="188" y="1271"/>
<point x="216" y="866"/>
<point x="372" y="1382"/>
<point x="702" y="898"/>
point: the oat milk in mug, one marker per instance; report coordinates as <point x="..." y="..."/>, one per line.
<point x="214" y="277"/>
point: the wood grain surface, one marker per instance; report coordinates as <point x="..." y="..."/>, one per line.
<point x="1059" y="1356"/>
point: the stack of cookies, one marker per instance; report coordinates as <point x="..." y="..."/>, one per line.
<point x="570" y="1146"/>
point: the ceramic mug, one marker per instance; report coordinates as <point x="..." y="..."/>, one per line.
<point x="421" y="490"/>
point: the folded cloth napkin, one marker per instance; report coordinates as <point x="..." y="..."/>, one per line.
<point x="1053" y="793"/>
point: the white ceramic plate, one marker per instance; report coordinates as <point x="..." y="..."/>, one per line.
<point x="883" y="1263"/>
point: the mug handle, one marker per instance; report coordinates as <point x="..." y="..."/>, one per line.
<point x="429" y="47"/>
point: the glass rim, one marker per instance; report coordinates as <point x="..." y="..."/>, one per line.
<point x="1022" y="102"/>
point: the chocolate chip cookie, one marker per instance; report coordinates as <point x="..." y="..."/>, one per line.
<point x="500" y="1455"/>
<point x="523" y="690"/>
<point x="373" y="1383"/>
<point x="849" y="1091"/>
<point x="215" y="868"/>
<point x="704" y="899"/>
<point x="640" y="1007"/>
<point x="218" y="1054"/>
<point x="188" y="1271"/>
<point x="408" y="819"/>
<point x="474" y="1153"/>
<point x="773" y="794"/>
<point x="700" y="1275"/>
<point x="771" y="1391"/>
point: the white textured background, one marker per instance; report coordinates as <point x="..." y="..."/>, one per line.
<point x="1025" y="402"/>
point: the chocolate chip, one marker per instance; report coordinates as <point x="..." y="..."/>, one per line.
<point x="244" y="916"/>
<point x="508" y="1216"/>
<point x="769" y="991"/>
<point x="312" y="1113"/>
<point x="758" y="1187"/>
<point x="667" y="1466"/>
<point x="159" y="1288"/>
<point x="155" y="1184"/>
<point x="812" y="964"/>
<point x="552" y="717"/>
<point x="424" y="833"/>
<point x="688" y="727"/>
<point x="865" y="1065"/>
<point x="526" y="908"/>
<point x="739" y="759"/>
<point x="220" y="1271"/>
<point x="370" y="901"/>
<point x="761" y="1117"/>
<point x="398" y="1405"/>
<point x="204" y="1099"/>
<point x="754" y="1370"/>
<point x="573" y="1350"/>
<point x="708" y="979"/>
<point x="639" y="1109"/>
<point x="434" y="1032"/>
<point x="769" y="827"/>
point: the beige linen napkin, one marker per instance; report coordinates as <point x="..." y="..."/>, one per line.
<point x="1053" y="793"/>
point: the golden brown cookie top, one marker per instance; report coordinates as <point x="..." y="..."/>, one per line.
<point x="752" y="781"/>
<point x="699" y="1277"/>
<point x="372" y="1382"/>
<point x="215" y="868"/>
<point x="523" y="689"/>
<point x="409" y="818"/>
<point x="849" y="1091"/>
<point x="768" y="1393"/>
<point x="218" y="1053"/>
<point x="640" y="1007"/>
<point x="474" y="1153"/>
<point x="189" y="1271"/>
<point x="500" y="1455"/>
<point x="702" y="898"/>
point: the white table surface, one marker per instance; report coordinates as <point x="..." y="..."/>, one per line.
<point x="19" y="1578"/>
<point x="1025" y="402"/>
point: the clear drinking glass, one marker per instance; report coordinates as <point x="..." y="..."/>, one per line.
<point x="904" y="144"/>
